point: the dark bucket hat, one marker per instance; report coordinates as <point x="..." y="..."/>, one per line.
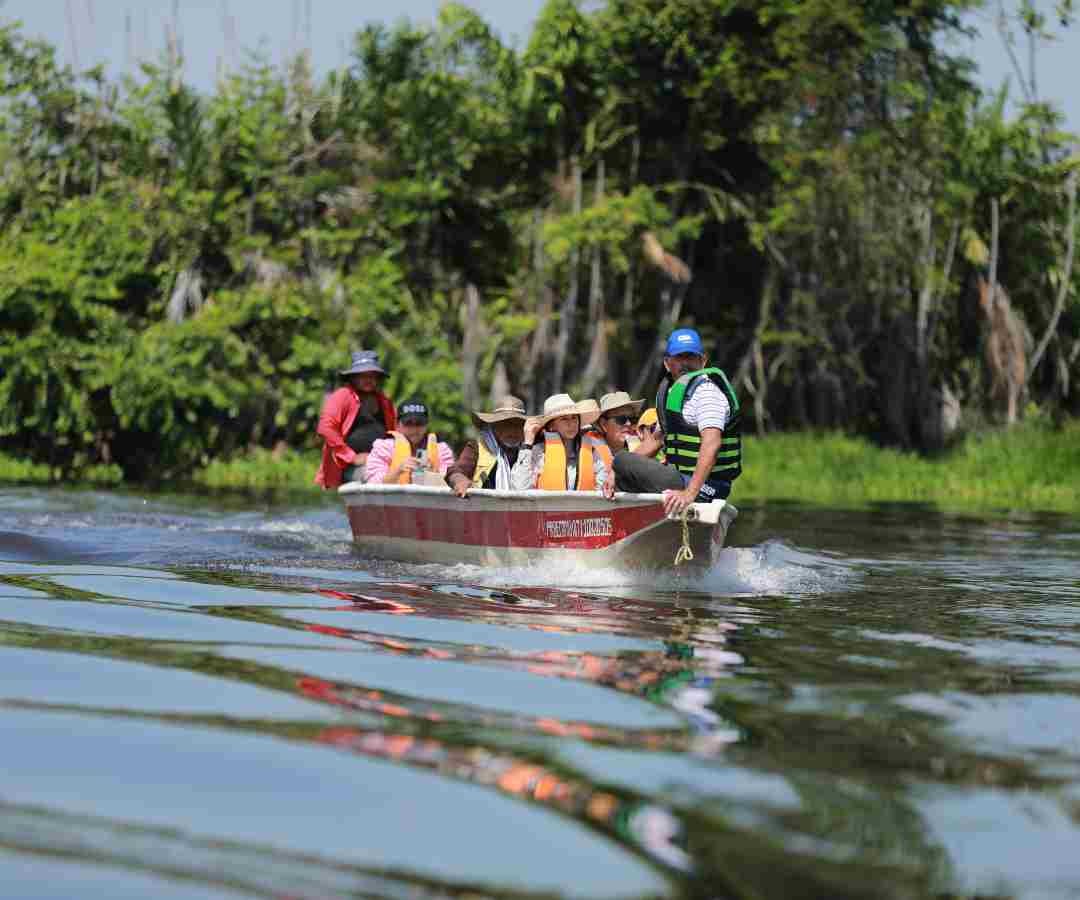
<point x="364" y="361"/>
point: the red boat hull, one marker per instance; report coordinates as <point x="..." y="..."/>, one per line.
<point x="429" y="524"/>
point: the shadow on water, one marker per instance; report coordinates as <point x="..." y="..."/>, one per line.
<point x="872" y="706"/>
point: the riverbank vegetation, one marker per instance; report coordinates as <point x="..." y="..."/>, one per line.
<point x="1032" y="466"/>
<point x="867" y="242"/>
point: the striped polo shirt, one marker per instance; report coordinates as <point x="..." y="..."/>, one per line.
<point x="707" y="408"/>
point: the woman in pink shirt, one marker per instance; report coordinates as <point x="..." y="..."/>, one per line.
<point x="410" y="449"/>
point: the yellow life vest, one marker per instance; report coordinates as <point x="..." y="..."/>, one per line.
<point x="553" y="476"/>
<point x="403" y="450"/>
<point x="485" y="462"/>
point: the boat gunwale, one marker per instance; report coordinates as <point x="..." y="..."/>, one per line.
<point x="547" y="501"/>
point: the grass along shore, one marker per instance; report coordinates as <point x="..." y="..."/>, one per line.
<point x="1031" y="466"/>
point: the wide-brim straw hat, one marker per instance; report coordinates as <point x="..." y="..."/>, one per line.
<point x="563" y="405"/>
<point x="620" y="400"/>
<point x="506" y="408"/>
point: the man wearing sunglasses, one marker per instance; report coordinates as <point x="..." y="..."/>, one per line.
<point x="614" y="430"/>
<point x="618" y="413"/>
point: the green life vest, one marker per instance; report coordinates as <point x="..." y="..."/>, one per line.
<point x="682" y="441"/>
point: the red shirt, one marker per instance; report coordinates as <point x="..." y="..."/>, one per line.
<point x="335" y="421"/>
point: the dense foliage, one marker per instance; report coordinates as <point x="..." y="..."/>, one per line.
<point x="816" y="186"/>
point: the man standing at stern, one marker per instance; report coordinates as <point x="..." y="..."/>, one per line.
<point x="699" y="432"/>
<point x="353" y="417"/>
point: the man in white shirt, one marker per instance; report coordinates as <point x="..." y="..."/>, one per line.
<point x="698" y="416"/>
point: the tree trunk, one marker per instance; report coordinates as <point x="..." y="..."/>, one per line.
<point x="568" y="309"/>
<point x="532" y="384"/>
<point x="671" y="302"/>
<point x="597" y="365"/>
<point x="1063" y="285"/>
<point x="470" y="351"/>
<point x="926" y="294"/>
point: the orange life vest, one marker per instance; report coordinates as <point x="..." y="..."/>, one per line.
<point x="553" y="476"/>
<point x="586" y="473"/>
<point x="403" y="450"/>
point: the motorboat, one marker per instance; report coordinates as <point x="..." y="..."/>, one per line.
<point x="427" y="523"/>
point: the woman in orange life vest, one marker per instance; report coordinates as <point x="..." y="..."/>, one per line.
<point x="560" y="457"/>
<point x="393" y="460"/>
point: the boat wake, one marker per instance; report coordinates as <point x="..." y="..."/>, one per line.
<point x="772" y="567"/>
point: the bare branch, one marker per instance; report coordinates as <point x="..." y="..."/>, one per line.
<point x="1001" y="22"/>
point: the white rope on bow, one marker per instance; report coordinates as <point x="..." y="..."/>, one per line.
<point x="684" y="553"/>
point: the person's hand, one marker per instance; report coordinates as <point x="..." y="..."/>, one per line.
<point x="461" y="487"/>
<point x="408" y="465"/>
<point x="609" y="489"/>
<point x="360" y="459"/>
<point x="651" y="443"/>
<point x="676" y="501"/>
<point x="532" y="428"/>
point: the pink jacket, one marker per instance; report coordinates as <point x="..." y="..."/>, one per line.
<point x="382" y="451"/>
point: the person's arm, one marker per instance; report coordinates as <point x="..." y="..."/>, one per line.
<point x="460" y="475"/>
<point x="378" y="462"/>
<point x="530" y="461"/>
<point x="605" y="477"/>
<point x="446" y="458"/>
<point x="676" y="501"/>
<point x="331" y="423"/>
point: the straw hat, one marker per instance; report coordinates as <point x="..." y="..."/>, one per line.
<point x="507" y="408"/>
<point x="563" y="405"/>
<point x="619" y="400"/>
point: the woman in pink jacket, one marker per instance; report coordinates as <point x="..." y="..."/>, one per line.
<point x="410" y="449"/>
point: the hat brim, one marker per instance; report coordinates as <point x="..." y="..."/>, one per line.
<point x="586" y="409"/>
<point x="480" y="419"/>
<point x="374" y="370"/>
<point x="635" y="405"/>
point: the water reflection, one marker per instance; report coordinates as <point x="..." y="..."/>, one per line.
<point x="652" y="830"/>
<point x="312" y="727"/>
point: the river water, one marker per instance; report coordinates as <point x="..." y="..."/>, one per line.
<point x="209" y="698"/>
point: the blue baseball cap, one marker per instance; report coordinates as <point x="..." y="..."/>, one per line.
<point x="684" y="340"/>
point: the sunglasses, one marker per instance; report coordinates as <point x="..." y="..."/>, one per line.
<point x="414" y="421"/>
<point x="620" y="420"/>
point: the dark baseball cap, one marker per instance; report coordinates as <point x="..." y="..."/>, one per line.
<point x="413" y="409"/>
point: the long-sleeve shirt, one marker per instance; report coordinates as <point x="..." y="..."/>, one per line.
<point x="382" y="452"/>
<point x="338" y="415"/>
<point x="469" y="456"/>
<point x="524" y="476"/>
